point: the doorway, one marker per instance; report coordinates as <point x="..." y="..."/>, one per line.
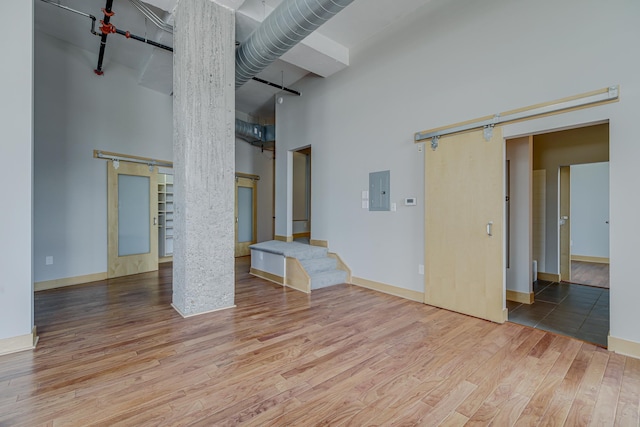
<point x="301" y="201"/>
<point x="246" y="214"/>
<point x="559" y="305"/>
<point x="584" y="207"/>
<point x="132" y="200"/>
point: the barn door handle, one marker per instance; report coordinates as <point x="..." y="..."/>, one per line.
<point x="490" y="228"/>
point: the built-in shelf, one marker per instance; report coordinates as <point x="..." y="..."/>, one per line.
<point x="165" y="215"/>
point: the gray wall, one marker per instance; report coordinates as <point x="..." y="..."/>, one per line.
<point x="253" y="160"/>
<point x="77" y="112"/>
<point x="16" y="118"/>
<point x="452" y="61"/>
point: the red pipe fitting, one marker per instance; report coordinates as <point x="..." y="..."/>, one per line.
<point x="107" y="28"/>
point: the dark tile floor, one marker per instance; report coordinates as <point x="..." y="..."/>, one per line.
<point x="575" y="310"/>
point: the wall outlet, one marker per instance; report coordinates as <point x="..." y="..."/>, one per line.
<point x="48" y="260"/>
<point x="420" y="269"/>
<point x="394" y="207"/>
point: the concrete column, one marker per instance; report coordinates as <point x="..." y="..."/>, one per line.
<point x="204" y="157"/>
<point x="16" y="215"/>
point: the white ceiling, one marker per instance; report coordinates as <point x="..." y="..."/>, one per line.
<point x="323" y="53"/>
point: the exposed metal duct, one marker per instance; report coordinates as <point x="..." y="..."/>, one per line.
<point x="286" y="26"/>
<point x="258" y="135"/>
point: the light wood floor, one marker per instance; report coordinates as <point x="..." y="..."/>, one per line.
<point x="590" y="273"/>
<point x="116" y="353"/>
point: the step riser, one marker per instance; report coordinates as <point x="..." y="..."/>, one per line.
<point x="326" y="279"/>
<point x="319" y="265"/>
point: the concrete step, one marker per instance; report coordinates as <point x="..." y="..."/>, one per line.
<point x="327" y="278"/>
<point x="318" y="265"/>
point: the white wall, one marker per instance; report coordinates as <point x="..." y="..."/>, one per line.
<point x="253" y="160"/>
<point x="16" y="214"/>
<point x="519" y="272"/>
<point x="75" y="113"/>
<point x="452" y="61"/>
<point x="590" y="210"/>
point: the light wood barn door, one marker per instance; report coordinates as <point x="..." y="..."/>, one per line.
<point x="464" y="216"/>
<point x="132" y="212"/>
<point x="246" y="215"/>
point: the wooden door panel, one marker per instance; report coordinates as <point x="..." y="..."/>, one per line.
<point x="464" y="193"/>
<point x="242" y="248"/>
<point x="139" y="263"/>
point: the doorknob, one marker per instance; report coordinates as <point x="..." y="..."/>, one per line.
<point x="490" y="228"/>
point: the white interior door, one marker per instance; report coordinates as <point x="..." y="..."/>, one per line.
<point x="464" y="231"/>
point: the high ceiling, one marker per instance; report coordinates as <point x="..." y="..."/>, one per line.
<point x="322" y="53"/>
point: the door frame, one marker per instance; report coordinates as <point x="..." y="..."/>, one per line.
<point x="306" y="151"/>
<point x="564" y="223"/>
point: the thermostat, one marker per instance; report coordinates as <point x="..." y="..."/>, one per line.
<point x="410" y="201"/>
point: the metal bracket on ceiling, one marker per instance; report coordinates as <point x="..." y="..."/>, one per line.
<point x="434" y="142"/>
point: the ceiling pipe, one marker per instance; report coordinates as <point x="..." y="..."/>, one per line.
<point x="149" y="14"/>
<point x="105" y="28"/>
<point x="286" y="26"/>
<point x="128" y="35"/>
<point x="61" y="6"/>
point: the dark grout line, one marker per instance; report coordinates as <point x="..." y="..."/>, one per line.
<point x="580" y="297"/>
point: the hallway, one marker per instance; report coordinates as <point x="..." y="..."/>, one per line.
<point x="569" y="309"/>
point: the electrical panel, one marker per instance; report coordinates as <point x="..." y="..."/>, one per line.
<point x="380" y="191"/>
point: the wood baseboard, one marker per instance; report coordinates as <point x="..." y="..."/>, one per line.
<point x="521" y="297"/>
<point x="19" y="343"/>
<point x="165" y="259"/>
<point x="286" y="239"/>
<point x="388" y="289"/>
<point x="267" y="276"/>
<point x="321" y="243"/>
<point x="68" y="281"/>
<point x="626" y="347"/>
<point x="300" y="235"/>
<point x="551" y="277"/>
<point x="585" y="258"/>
